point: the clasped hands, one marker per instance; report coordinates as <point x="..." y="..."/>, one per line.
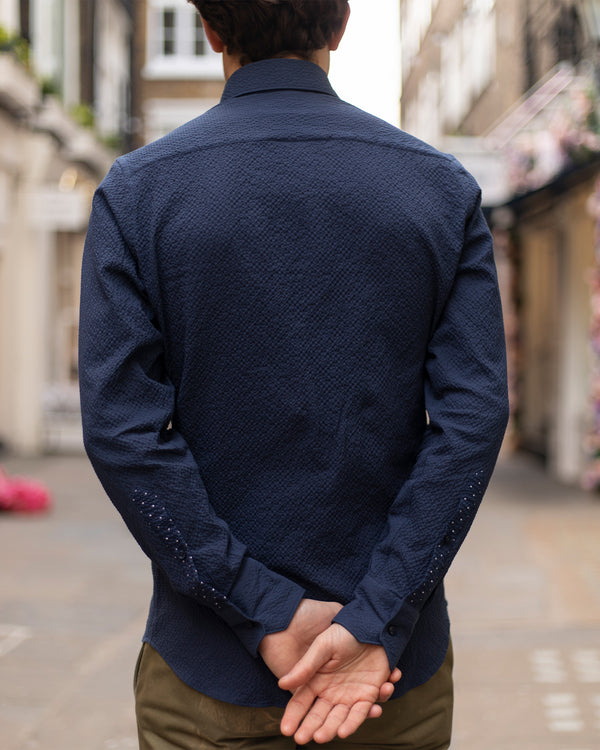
<point x="336" y="681"/>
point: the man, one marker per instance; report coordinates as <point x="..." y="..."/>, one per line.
<point x="293" y="390"/>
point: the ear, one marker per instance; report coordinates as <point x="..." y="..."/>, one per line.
<point x="213" y="38"/>
<point x="334" y="43"/>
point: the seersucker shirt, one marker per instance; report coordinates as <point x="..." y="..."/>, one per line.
<point x="292" y="374"/>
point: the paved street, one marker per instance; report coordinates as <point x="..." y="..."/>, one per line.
<point x="525" y="603"/>
<point x="524" y="593"/>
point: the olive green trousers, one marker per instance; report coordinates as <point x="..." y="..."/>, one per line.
<point x="173" y="716"/>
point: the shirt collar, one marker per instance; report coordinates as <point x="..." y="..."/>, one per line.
<point x="277" y="74"/>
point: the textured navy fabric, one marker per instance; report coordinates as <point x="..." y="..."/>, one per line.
<point x="292" y="374"/>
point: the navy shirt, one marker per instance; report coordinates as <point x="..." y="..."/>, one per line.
<point x="292" y="374"/>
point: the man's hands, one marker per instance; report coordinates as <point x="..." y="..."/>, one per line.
<point x="282" y="651"/>
<point x="335" y="685"/>
<point x="335" y="680"/>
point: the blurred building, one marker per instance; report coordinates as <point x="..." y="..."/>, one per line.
<point x="465" y="63"/>
<point x="460" y="65"/>
<point x="506" y="86"/>
<point x="65" y="104"/>
<point x="80" y="81"/>
<point x="176" y="75"/>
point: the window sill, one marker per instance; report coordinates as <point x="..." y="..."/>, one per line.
<point x="183" y="69"/>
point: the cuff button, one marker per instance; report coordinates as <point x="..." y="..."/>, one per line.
<point x="392" y="630"/>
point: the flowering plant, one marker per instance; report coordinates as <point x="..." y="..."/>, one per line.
<point x="561" y="136"/>
<point x="591" y="477"/>
<point x="22" y="495"/>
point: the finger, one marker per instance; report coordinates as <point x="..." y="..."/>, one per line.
<point x="375" y="711"/>
<point x="395" y="676"/>
<point x="317" y="655"/>
<point x="358" y="713"/>
<point x="332" y="723"/>
<point x="313" y="721"/>
<point x="385" y="692"/>
<point x="297" y="708"/>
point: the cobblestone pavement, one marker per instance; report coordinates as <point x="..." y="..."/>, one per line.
<point x="524" y="594"/>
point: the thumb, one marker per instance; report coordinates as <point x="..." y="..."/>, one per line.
<point x="318" y="654"/>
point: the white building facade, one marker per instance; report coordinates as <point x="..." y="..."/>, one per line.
<point x="49" y="168"/>
<point x="449" y="58"/>
<point x="178" y="75"/>
<point x="499" y="83"/>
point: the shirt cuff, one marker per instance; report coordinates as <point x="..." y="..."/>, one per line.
<point x="377" y="616"/>
<point x="268" y="602"/>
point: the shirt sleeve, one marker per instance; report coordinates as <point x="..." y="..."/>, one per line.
<point x="146" y="466"/>
<point x="467" y="406"/>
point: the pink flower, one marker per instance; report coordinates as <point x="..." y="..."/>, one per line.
<point x="22" y="495"/>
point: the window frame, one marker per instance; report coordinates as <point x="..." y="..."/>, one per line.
<point x="183" y="62"/>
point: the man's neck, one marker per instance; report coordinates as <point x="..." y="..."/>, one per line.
<point x="320" y="57"/>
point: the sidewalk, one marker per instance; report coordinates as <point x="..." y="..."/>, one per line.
<point x="74" y="590"/>
<point x="524" y="597"/>
<point x="524" y="594"/>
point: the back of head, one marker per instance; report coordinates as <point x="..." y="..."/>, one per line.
<point x="260" y="29"/>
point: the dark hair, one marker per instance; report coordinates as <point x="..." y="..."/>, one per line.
<point x="261" y="29"/>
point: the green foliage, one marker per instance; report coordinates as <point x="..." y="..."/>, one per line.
<point x="83" y="115"/>
<point x="49" y="86"/>
<point x="114" y="141"/>
<point x="593" y="120"/>
<point x="15" y="44"/>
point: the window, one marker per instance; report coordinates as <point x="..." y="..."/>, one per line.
<point x="468" y="61"/>
<point x="201" y="45"/>
<point x="168" y="32"/>
<point x="417" y="16"/>
<point x="177" y="46"/>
